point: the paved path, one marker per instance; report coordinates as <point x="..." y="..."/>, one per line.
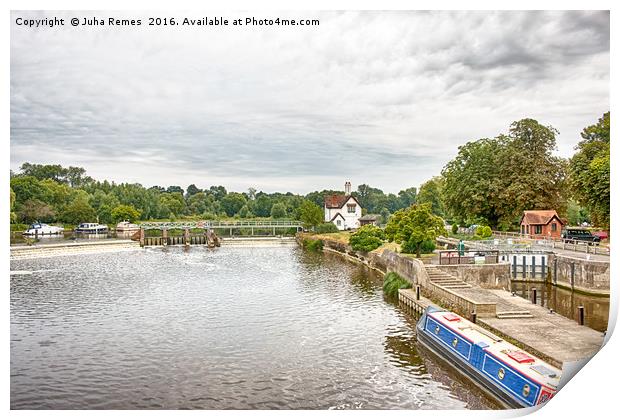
<point x="545" y="334"/>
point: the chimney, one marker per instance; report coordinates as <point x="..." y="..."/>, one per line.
<point x="347" y="188"/>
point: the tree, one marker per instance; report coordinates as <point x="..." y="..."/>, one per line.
<point x="245" y="212"/>
<point x="192" y="189"/>
<point x="589" y="171"/>
<point x="278" y="211"/>
<point x="531" y="177"/>
<point x="232" y="203"/>
<point x="367" y="238"/>
<point x="576" y="214"/>
<point x="172" y="203"/>
<point x="79" y="211"/>
<point x="310" y="214"/>
<point x="408" y="197"/>
<point x="494" y="180"/>
<point x="471" y="181"/>
<point x="33" y="210"/>
<point x="13" y="215"/>
<point x="431" y="192"/>
<point x="412" y="226"/>
<point x="125" y="212"/>
<point x="174" y="189"/>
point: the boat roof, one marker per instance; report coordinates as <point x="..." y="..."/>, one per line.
<point x="511" y="355"/>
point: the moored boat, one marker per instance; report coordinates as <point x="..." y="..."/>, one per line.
<point x="516" y="378"/>
<point x="42" y="229"/>
<point x="91" y="228"/>
<point x="126" y="226"/>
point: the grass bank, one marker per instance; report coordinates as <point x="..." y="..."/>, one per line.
<point x="392" y="283"/>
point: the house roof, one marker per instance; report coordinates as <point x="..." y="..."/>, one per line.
<point x="539" y="217"/>
<point x="369" y="217"/>
<point x="336" y="215"/>
<point x="337" y="201"/>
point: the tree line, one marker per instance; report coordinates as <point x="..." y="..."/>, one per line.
<point x="51" y="193"/>
<point x="492" y="181"/>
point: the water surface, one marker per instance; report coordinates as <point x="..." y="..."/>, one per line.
<point x="244" y="328"/>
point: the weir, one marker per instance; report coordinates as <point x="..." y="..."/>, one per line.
<point x="206" y="232"/>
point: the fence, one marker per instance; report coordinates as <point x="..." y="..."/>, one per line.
<point x="552" y="243"/>
<point x="468" y="257"/>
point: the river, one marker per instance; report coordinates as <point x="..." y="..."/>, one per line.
<point x="231" y="328"/>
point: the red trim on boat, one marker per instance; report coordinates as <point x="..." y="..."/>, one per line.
<point x="451" y="329"/>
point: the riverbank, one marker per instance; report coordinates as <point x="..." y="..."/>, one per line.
<point x="550" y="336"/>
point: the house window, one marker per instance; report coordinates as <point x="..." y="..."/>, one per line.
<point x="554" y="227"/>
<point x="527" y="229"/>
<point x="351" y="208"/>
<point x="538" y="229"/>
<point x="338" y="222"/>
<point x="522" y="228"/>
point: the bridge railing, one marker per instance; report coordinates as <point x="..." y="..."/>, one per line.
<point x="211" y="224"/>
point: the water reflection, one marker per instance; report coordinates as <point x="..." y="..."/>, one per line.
<point x="566" y="302"/>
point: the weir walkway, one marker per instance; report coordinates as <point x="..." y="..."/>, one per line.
<point x="206" y="232"/>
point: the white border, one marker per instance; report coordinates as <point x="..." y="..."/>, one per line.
<point x="590" y="394"/>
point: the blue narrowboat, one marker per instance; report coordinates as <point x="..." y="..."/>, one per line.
<point x="511" y="375"/>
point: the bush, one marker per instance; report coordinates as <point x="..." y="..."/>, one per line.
<point x="313" y="244"/>
<point x="484" y="231"/>
<point x="367" y="238"/>
<point x="427" y="247"/>
<point x="455" y="228"/>
<point x="392" y="282"/>
<point x="326" y="228"/>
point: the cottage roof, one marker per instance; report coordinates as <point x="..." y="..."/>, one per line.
<point x="337" y="201"/>
<point x="369" y="218"/>
<point x="337" y="215"/>
<point x="539" y="217"/>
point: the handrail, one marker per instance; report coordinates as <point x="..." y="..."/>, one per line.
<point x="211" y="224"/>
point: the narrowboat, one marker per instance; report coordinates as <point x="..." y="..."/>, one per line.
<point x="91" y="228"/>
<point x="42" y="229"/>
<point x="514" y="377"/>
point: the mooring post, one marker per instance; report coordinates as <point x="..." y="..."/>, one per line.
<point x="473" y="316"/>
<point x="164" y="235"/>
<point x="533" y="266"/>
<point x="186" y="236"/>
<point x="142" y="237"/>
<point x="544" y="268"/>
<point x="533" y="295"/>
<point x="582" y="314"/>
<point x="417" y="292"/>
<point x="524" y="267"/>
<point x="514" y="266"/>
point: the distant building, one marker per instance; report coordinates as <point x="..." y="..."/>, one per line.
<point x="541" y="224"/>
<point x="343" y="210"/>
<point x="370" y="219"/>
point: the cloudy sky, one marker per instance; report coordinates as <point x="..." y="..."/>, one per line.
<point x="383" y="98"/>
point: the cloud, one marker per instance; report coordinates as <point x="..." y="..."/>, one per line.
<point x="383" y="98"/>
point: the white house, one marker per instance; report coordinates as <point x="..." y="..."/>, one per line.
<point x="343" y="210"/>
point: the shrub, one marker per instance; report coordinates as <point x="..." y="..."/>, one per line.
<point x="455" y="228"/>
<point x="484" y="231"/>
<point x="427" y="246"/>
<point x="326" y="228"/>
<point x="392" y="282"/>
<point x="367" y="238"/>
<point x="313" y="244"/>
